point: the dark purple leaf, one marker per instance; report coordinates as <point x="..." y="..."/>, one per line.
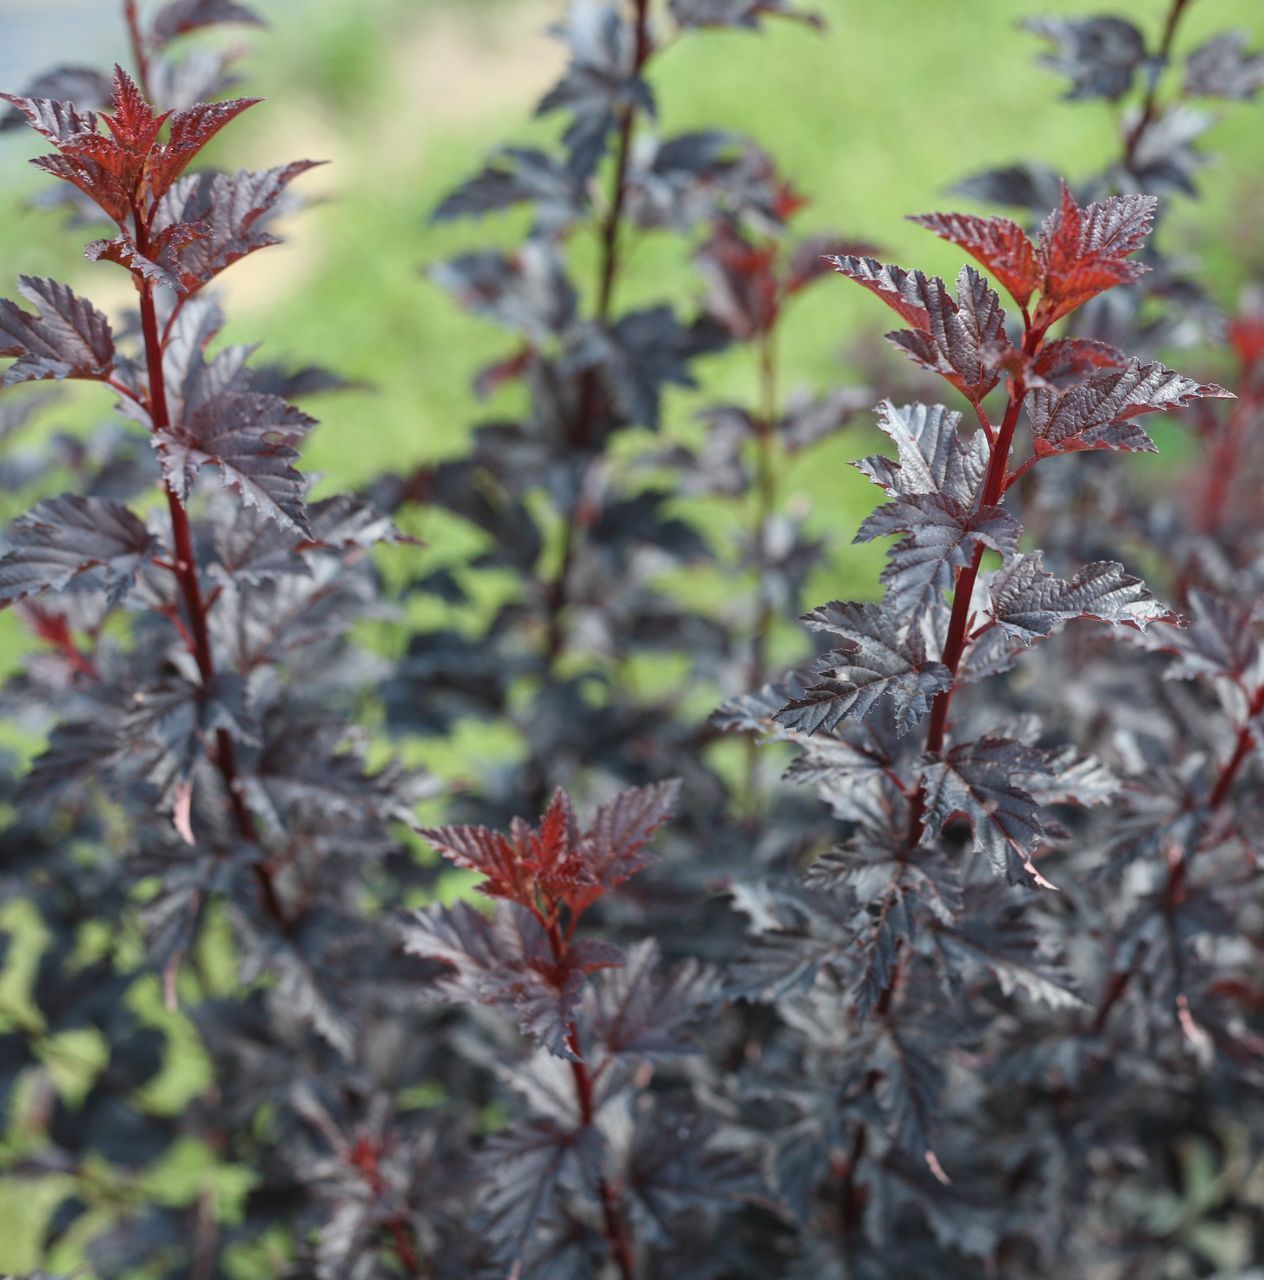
<point x="61" y="539"/>
<point x="877" y="661"/>
<point x="251" y="439"/>
<point x="1100" y="56"/>
<point x="67" y="337"/>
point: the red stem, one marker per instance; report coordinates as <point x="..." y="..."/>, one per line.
<point x="191" y="590"/>
<point x="993" y="493"/>
<point x="608" y="274"/>
<point x="139" y="55"/>
<point x="615" y="1228"/>
<point x="1174" y="889"/>
<point x="1149" y="108"/>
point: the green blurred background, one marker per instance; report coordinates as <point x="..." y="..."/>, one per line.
<point x="872" y="120"/>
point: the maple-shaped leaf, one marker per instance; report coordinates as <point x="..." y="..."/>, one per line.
<point x="61" y="539"/>
<point x="1066" y="358"/>
<point x="997" y="937"/>
<point x="1224" y="68"/>
<point x="641" y="1011"/>
<point x="97" y="165"/>
<point x="530" y="292"/>
<point x="1029" y="604"/>
<point x="878" y="660"/>
<point x="527" y="1169"/>
<point x="600" y="82"/>
<point x="251" y="439"/>
<point x="999" y="244"/>
<point x="160" y="268"/>
<point x="179" y="17"/>
<point x="190" y="130"/>
<point x="941" y="536"/>
<point x="1099" y="55"/>
<point x="506" y="961"/>
<point x="1098" y="413"/>
<point x="1085" y="251"/>
<point x="737" y="13"/>
<point x="617" y="841"/>
<point x="975" y="781"/>
<point x="518" y="175"/>
<point x="82" y="89"/>
<point x="961" y="338"/>
<point x="934" y="455"/>
<point x="67" y="337"/>
<point x="58" y="121"/>
<point x="231" y="209"/>
<point x="548" y="858"/>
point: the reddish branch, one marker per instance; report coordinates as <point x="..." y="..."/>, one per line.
<point x="1149" y="107"/>
<point x="1178" y="875"/>
<point x="614" y="1224"/>
<point x="589" y="398"/>
<point x="186" y="574"/>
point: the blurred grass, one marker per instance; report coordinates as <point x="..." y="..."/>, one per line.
<point x="873" y="120"/>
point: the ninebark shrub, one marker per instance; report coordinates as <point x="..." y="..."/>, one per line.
<point x="990" y="1008"/>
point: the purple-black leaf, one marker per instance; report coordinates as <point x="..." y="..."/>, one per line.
<point x="878" y="660"/>
<point x="251" y="439"/>
<point x="505" y="960"/>
<point x="67" y="338"/>
<point x="179" y="17"/>
<point x="232" y="209"/>
<point x="1097" y="413"/>
<point x="941" y="537"/>
<point x="61" y="539"/>
<point x="975" y="781"/>
<point x="1099" y="55"/>
<point x="1029" y="604"/>
<point x="641" y="1010"/>
<point x="1223" y="68"/>
<point x="935" y="456"/>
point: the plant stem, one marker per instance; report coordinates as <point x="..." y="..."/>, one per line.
<point x="191" y="591"/>
<point x="993" y="493"/>
<point x="1149" y="107"/>
<point x="608" y="272"/>
<point x="765" y="508"/>
<point x="139" y="56"/>
<point x="615" y="1227"/>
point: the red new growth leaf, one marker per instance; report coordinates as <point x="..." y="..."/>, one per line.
<point x="555" y="865"/>
<point x="1084" y="252"/>
<point x="1080" y="252"/>
<point x="191" y="130"/>
<point x="133" y="123"/>
<point x="1001" y="245"/>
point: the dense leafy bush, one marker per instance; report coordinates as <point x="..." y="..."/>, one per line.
<point x="990" y="1008"/>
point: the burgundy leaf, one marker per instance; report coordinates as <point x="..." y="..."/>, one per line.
<point x="878" y="660"/>
<point x="959" y="340"/>
<point x="1086" y="251"/>
<point x="67" y="338"/>
<point x="935" y="456"/>
<point x="251" y="439"/>
<point x="61" y="539"/>
<point x="999" y="244"/>
<point x="190" y="131"/>
<point x="1097" y="413"/>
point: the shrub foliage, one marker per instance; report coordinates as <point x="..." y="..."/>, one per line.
<point x="971" y="990"/>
